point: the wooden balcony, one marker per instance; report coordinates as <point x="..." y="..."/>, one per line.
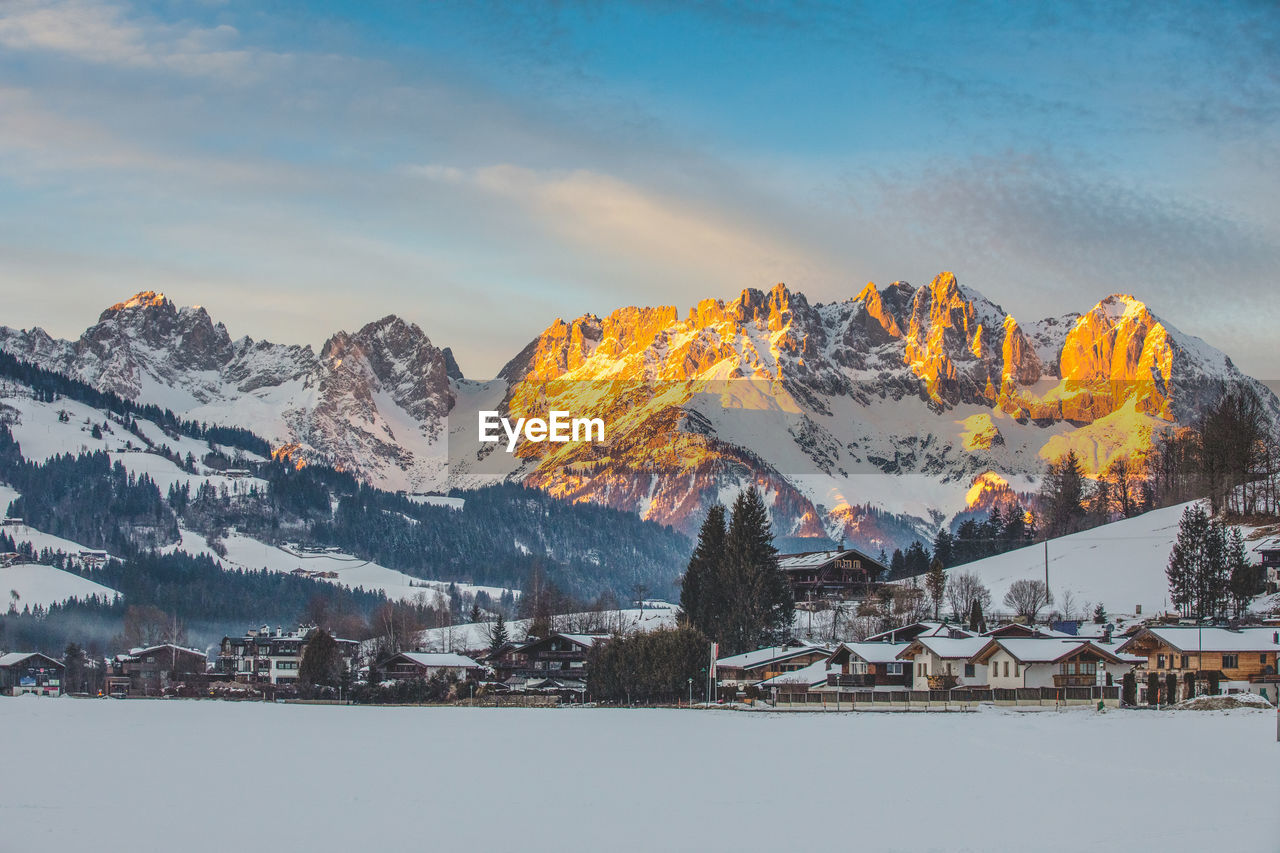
<point x="859" y="680"/>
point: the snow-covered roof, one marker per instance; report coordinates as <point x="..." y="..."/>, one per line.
<point x="587" y="640"/>
<point x="875" y="652"/>
<point x="1041" y="649"/>
<point x="919" y="629"/>
<point x="440" y="659"/>
<point x="949" y="648"/>
<point x="813" y="559"/>
<point x="1271" y="543"/>
<point x="163" y="647"/>
<point x="814" y="673"/>
<point x="13" y="658"/>
<point x="1189" y="638"/>
<point x="746" y="660"/>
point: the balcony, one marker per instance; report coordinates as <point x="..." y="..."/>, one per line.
<point x="1074" y="680"/>
<point x="860" y="680"/>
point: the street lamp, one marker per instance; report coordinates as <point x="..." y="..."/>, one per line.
<point x="690" y="692"/>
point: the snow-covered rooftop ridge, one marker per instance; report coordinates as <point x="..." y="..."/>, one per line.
<point x="876" y="652"/>
<point x="440" y="659"/>
<point x="771" y="653"/>
<point x="1190" y="638"/>
<point x="950" y="648"/>
<point x="1044" y="649"/>
<point x="18" y="657"/>
<point x="814" y="673"/>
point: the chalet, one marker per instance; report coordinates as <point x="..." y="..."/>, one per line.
<point x="1268" y="551"/>
<point x="1047" y="662"/>
<point x="762" y="664"/>
<point x="1244" y="659"/>
<point x="30" y="672"/>
<point x="907" y="633"/>
<point x="556" y="656"/>
<point x="941" y="663"/>
<point x="867" y="665"/>
<point x="815" y="676"/>
<point x="10" y="558"/>
<point x="261" y="656"/>
<point x="824" y="575"/>
<point x="149" y="671"/>
<point x="407" y="666"/>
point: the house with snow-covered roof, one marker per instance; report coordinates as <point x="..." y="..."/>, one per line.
<point x="1240" y="659"/>
<point x="907" y="633"/>
<point x="762" y="664"/>
<point x="1047" y="662"/>
<point x="559" y="656"/>
<point x="866" y="665"/>
<point x="407" y="666"/>
<point x="30" y="672"/>
<point x="941" y="663"/>
<point x="839" y="574"/>
<point x="149" y="671"/>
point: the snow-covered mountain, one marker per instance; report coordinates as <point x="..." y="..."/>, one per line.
<point x="372" y="402"/>
<point x="871" y="419"/>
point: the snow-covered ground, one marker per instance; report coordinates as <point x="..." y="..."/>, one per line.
<point x="351" y="778"/>
<point x="656" y="615"/>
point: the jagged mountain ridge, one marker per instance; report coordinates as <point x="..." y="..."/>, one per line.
<point x="372" y="401"/>
<point x="866" y="419"/>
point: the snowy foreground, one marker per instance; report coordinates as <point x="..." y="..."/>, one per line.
<point x="220" y="776"/>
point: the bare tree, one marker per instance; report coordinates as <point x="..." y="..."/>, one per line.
<point x="1068" y="605"/>
<point x="1026" y="598"/>
<point x="963" y="589"/>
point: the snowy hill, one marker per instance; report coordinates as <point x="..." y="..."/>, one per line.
<point x="37" y="585"/>
<point x="1119" y="565"/>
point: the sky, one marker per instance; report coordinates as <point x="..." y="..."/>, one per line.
<point x="482" y="169"/>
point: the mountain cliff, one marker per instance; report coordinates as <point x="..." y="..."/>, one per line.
<point x="870" y="419"/>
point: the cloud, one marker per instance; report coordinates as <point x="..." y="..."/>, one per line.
<point x="605" y="215"/>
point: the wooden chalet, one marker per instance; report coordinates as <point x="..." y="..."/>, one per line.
<point x="868" y="666"/>
<point x="150" y="671"/>
<point x="1244" y="659"/>
<point x="30" y="672"/>
<point x="753" y="667"/>
<point x="556" y="656"/>
<point x="408" y="666"/>
<point x="825" y="575"/>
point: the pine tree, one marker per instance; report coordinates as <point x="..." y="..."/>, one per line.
<point x="942" y="548"/>
<point x="321" y="660"/>
<point x="935" y="584"/>
<point x="977" y="622"/>
<point x="702" y="590"/>
<point x="761" y="606"/>
<point x="1099" y="614"/>
<point x="497" y="635"/>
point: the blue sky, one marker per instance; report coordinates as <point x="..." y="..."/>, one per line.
<point x="483" y="169"/>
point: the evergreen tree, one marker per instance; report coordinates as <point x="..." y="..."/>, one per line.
<point x="977" y="622"/>
<point x="1062" y="494"/>
<point x="498" y="635"/>
<point x="1099" y="614"/>
<point x="935" y="584"/>
<point x="897" y="565"/>
<point x="942" y="548"/>
<point x="761" y="607"/>
<point x="321" y="661"/>
<point x="1197" y="568"/>
<point x="702" y="590"/>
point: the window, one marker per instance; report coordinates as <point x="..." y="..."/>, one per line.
<point x="893" y="669"/>
<point x="1159" y="661"/>
<point x="1230" y="661"/>
<point x="948" y="667"/>
<point x="1186" y="662"/>
<point x="1262" y="658"/>
<point x="1006" y="669"/>
<point x="970" y="670"/>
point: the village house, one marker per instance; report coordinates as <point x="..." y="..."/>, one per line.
<point x="261" y="656"/>
<point x="907" y="633"/>
<point x="30" y="672"/>
<point x="1268" y="551"/>
<point x="867" y="666"/>
<point x="799" y="682"/>
<point x="1048" y="662"/>
<point x="941" y="663"/>
<point x="407" y="666"/>
<point x="1014" y="630"/>
<point x="829" y="575"/>
<point x="751" y="668"/>
<point x="553" y="662"/>
<point x="147" y="672"/>
<point x="1241" y="659"/>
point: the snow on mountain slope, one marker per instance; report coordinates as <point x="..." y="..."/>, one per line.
<point x="39" y="585"/>
<point x="866" y="419"/>
<point x="1119" y="565"/>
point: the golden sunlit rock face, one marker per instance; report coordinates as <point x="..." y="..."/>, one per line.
<point x="699" y="405"/>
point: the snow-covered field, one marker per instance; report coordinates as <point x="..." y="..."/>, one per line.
<point x="41" y="585"/>
<point x="355" y="778"/>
